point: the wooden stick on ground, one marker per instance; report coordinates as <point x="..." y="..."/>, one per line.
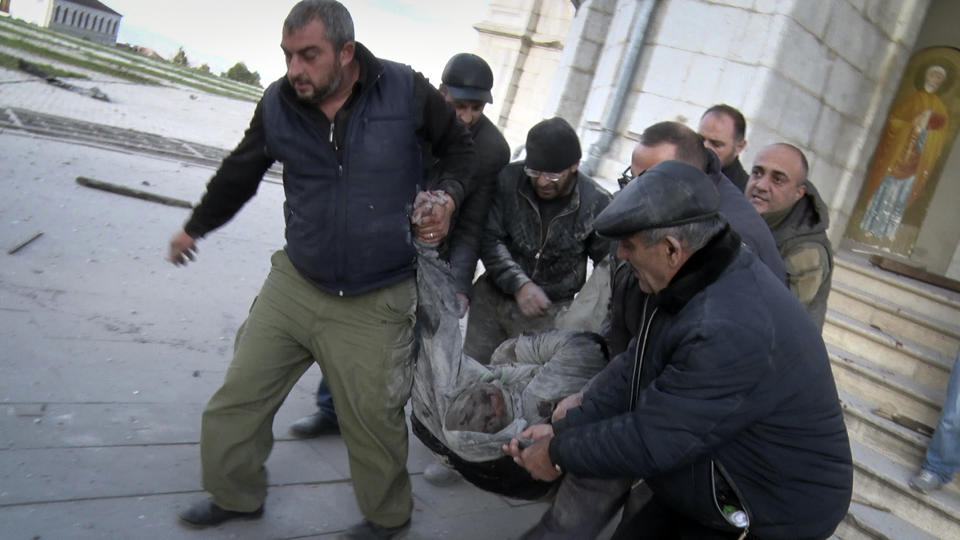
<point x="131" y="192"/>
<point x="23" y="244"/>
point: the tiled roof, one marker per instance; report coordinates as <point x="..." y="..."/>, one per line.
<point x="94" y="4"/>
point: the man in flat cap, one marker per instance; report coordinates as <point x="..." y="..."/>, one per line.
<point x="674" y="141"/>
<point x="724" y="405"/>
<point x="539" y="234"/>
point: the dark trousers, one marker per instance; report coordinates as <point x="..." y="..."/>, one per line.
<point x="657" y="520"/>
<point x="325" y="401"/>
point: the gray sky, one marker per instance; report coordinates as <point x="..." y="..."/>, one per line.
<point x="422" y="33"/>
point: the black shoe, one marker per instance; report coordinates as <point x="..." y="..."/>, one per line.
<point x="369" y="530"/>
<point x="314" y="425"/>
<point x="207" y="514"/>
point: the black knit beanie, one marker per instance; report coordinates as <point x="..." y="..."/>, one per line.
<point x="552" y="146"/>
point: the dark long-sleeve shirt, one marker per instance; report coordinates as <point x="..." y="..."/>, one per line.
<point x="238" y="177"/>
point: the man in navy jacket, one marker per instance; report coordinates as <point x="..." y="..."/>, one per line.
<point x="725" y="404"/>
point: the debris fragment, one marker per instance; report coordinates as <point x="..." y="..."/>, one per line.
<point x="131" y="192"/>
<point x="36" y="70"/>
<point x="32" y="409"/>
<point x="905" y="421"/>
<point x="24" y="244"/>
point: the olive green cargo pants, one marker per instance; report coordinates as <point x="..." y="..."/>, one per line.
<point x="362" y="343"/>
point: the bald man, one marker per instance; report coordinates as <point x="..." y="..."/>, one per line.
<point x="779" y="189"/>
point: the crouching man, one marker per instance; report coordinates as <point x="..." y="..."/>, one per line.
<point x="724" y="404"/>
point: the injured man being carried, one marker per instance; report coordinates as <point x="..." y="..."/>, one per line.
<point x="465" y="411"/>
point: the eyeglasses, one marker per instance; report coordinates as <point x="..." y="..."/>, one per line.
<point x="551" y="176"/>
<point x="627" y="175"/>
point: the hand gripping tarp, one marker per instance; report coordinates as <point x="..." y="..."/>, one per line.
<point x="464" y="410"/>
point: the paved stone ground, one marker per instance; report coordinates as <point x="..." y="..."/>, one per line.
<point x="110" y="352"/>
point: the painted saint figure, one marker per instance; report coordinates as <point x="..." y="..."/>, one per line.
<point x="915" y="134"/>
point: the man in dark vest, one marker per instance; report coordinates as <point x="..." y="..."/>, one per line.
<point x="724" y="130"/>
<point x="467" y="81"/>
<point x="797" y="216"/>
<point x="349" y="129"/>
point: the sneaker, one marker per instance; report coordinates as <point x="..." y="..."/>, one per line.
<point x="925" y="481"/>
<point x="314" y="425"/>
<point x="439" y="474"/>
<point x="207" y="514"/>
<point x="369" y="530"/>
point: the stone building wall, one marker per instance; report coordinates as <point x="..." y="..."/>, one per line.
<point x="522" y="40"/>
<point x="817" y="73"/>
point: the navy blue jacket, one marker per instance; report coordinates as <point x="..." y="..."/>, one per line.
<point x="347" y="225"/>
<point x="731" y="374"/>
<point x="348" y="183"/>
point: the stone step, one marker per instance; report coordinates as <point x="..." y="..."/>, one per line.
<point x="935" y="303"/>
<point x="864" y="522"/>
<point x="912" y="360"/>
<point x="881" y="483"/>
<point x="894" y="393"/>
<point x="904" y="446"/>
<point x="894" y="320"/>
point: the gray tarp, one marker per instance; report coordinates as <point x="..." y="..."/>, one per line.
<point x="473" y="409"/>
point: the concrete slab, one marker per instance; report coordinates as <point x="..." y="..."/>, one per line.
<point x="291" y="512"/>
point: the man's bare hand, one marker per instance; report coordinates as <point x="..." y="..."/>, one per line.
<point x="531" y="300"/>
<point x="536" y="457"/>
<point x="432" y="211"/>
<point x="183" y="248"/>
<point x="567" y="403"/>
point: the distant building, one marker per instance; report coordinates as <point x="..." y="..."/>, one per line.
<point x="85" y="19"/>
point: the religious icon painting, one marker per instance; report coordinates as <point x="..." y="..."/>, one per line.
<point x="917" y="136"/>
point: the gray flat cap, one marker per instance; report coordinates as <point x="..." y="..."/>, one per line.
<point x="669" y="193"/>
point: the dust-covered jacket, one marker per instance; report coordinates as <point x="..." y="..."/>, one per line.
<point x="512" y="251"/>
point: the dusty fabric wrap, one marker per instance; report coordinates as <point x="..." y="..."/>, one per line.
<point x="531" y="372"/>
